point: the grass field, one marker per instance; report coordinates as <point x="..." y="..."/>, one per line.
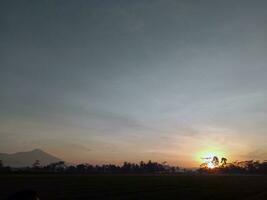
<point x="137" y="186"/>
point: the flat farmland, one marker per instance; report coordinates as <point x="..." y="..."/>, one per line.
<point x="208" y="187"/>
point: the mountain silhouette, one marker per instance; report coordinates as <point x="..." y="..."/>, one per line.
<point x="25" y="159"/>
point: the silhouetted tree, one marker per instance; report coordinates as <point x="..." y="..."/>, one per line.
<point x="4" y="169"/>
<point x="36" y="164"/>
<point x="204" y="165"/>
<point x="223" y="161"/>
<point x="82" y="168"/>
<point x="215" y="161"/>
<point x="56" y="167"/>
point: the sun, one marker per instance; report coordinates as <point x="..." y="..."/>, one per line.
<point x="210" y="165"/>
<point x="209" y="154"/>
<point x="206" y="157"/>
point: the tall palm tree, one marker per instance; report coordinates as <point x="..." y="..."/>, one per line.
<point x="223" y="161"/>
<point x="215" y="161"/>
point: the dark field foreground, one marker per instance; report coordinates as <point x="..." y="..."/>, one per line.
<point x="137" y="186"/>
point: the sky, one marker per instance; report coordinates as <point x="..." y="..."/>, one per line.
<point x="107" y="81"/>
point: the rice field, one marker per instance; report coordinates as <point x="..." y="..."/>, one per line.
<point x="208" y="187"/>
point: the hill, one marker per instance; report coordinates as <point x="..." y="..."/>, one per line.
<point x="24" y="159"/>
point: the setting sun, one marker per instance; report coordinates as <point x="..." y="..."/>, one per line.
<point x="210" y="158"/>
<point x="210" y="165"/>
<point x="208" y="155"/>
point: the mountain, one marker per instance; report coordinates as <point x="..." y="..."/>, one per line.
<point x="24" y="159"/>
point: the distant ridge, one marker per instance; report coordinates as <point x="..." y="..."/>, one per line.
<point x="25" y="159"/>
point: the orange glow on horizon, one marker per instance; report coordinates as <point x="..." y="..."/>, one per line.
<point x="207" y="156"/>
<point x="210" y="165"/>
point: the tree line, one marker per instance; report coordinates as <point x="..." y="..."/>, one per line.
<point x="126" y="167"/>
<point x="237" y="167"/>
<point x="242" y="167"/>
